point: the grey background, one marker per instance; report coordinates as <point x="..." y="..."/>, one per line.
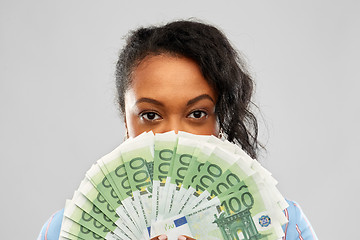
<point x="58" y="113"/>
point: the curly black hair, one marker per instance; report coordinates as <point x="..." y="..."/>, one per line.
<point x="220" y="65"/>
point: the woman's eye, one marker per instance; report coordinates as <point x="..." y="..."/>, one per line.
<point x="197" y="114"/>
<point x="150" y="116"/>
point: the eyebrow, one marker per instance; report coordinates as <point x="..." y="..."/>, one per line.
<point x="149" y="100"/>
<point x="198" y="98"/>
<point x="190" y="102"/>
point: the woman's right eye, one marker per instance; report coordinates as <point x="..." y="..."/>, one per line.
<point x="150" y="116"/>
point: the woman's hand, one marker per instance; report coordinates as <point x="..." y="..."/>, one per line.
<point x="164" y="237"/>
<point x="183" y="237"/>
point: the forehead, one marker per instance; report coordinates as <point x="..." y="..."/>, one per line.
<point x="167" y="75"/>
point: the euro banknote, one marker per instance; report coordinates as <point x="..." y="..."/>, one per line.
<point x="175" y="184"/>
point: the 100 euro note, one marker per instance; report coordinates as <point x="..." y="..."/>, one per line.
<point x="209" y="169"/>
<point x="186" y="146"/>
<point x="224" y="179"/>
<point x="246" y="164"/>
<point x="78" y="222"/>
<point x="73" y="230"/>
<point x="113" y="222"/>
<point x="113" y="167"/>
<point x="265" y="174"/>
<point x="238" y="215"/>
<point x="125" y="192"/>
<point x="165" y="145"/>
<point x="230" y="171"/>
<point x="200" y="155"/>
<point x="267" y="216"/>
<point x="102" y="184"/>
<point x="138" y="160"/>
<point x="68" y="236"/>
<point x="216" y="165"/>
<point x="87" y="190"/>
<point x="239" y="169"/>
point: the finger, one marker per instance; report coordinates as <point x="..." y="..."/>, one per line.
<point x="160" y="237"/>
<point x="184" y="237"/>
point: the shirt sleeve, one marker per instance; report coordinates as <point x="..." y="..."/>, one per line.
<point x="51" y="229"/>
<point x="298" y="226"/>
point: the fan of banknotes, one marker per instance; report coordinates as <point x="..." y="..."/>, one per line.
<point x="175" y="184"/>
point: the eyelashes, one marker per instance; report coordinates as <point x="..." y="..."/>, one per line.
<point x="198" y="114"/>
<point x="152" y="116"/>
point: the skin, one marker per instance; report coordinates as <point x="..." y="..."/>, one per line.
<point x="164" y="237"/>
<point x="170" y="93"/>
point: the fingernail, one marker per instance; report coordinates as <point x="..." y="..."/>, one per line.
<point x="181" y="238"/>
<point x="162" y="237"/>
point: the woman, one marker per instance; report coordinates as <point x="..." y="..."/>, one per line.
<point x="186" y="76"/>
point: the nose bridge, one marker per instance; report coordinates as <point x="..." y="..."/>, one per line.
<point x="174" y="123"/>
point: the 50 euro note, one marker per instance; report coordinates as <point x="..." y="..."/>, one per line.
<point x="138" y="157"/>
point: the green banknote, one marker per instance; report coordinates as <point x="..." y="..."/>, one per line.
<point x="164" y="153"/>
<point x="84" y="225"/>
<point x="265" y="175"/>
<point x="68" y="226"/>
<point x="176" y="183"/>
<point x="113" y="167"/>
<point x="212" y="168"/>
<point x="138" y="159"/>
<point x="200" y="156"/>
<point x="68" y="236"/>
<point x="239" y="214"/>
<point x="96" y="176"/>
<point x="118" y="227"/>
<point x="87" y="190"/>
<point x="212" y="184"/>
<point x="186" y="146"/>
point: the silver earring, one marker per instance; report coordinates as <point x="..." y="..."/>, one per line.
<point x="221" y="134"/>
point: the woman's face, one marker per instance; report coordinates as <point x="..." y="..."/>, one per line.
<point x="170" y="93"/>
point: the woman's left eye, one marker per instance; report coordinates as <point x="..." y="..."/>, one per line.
<point x="198" y="114"/>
